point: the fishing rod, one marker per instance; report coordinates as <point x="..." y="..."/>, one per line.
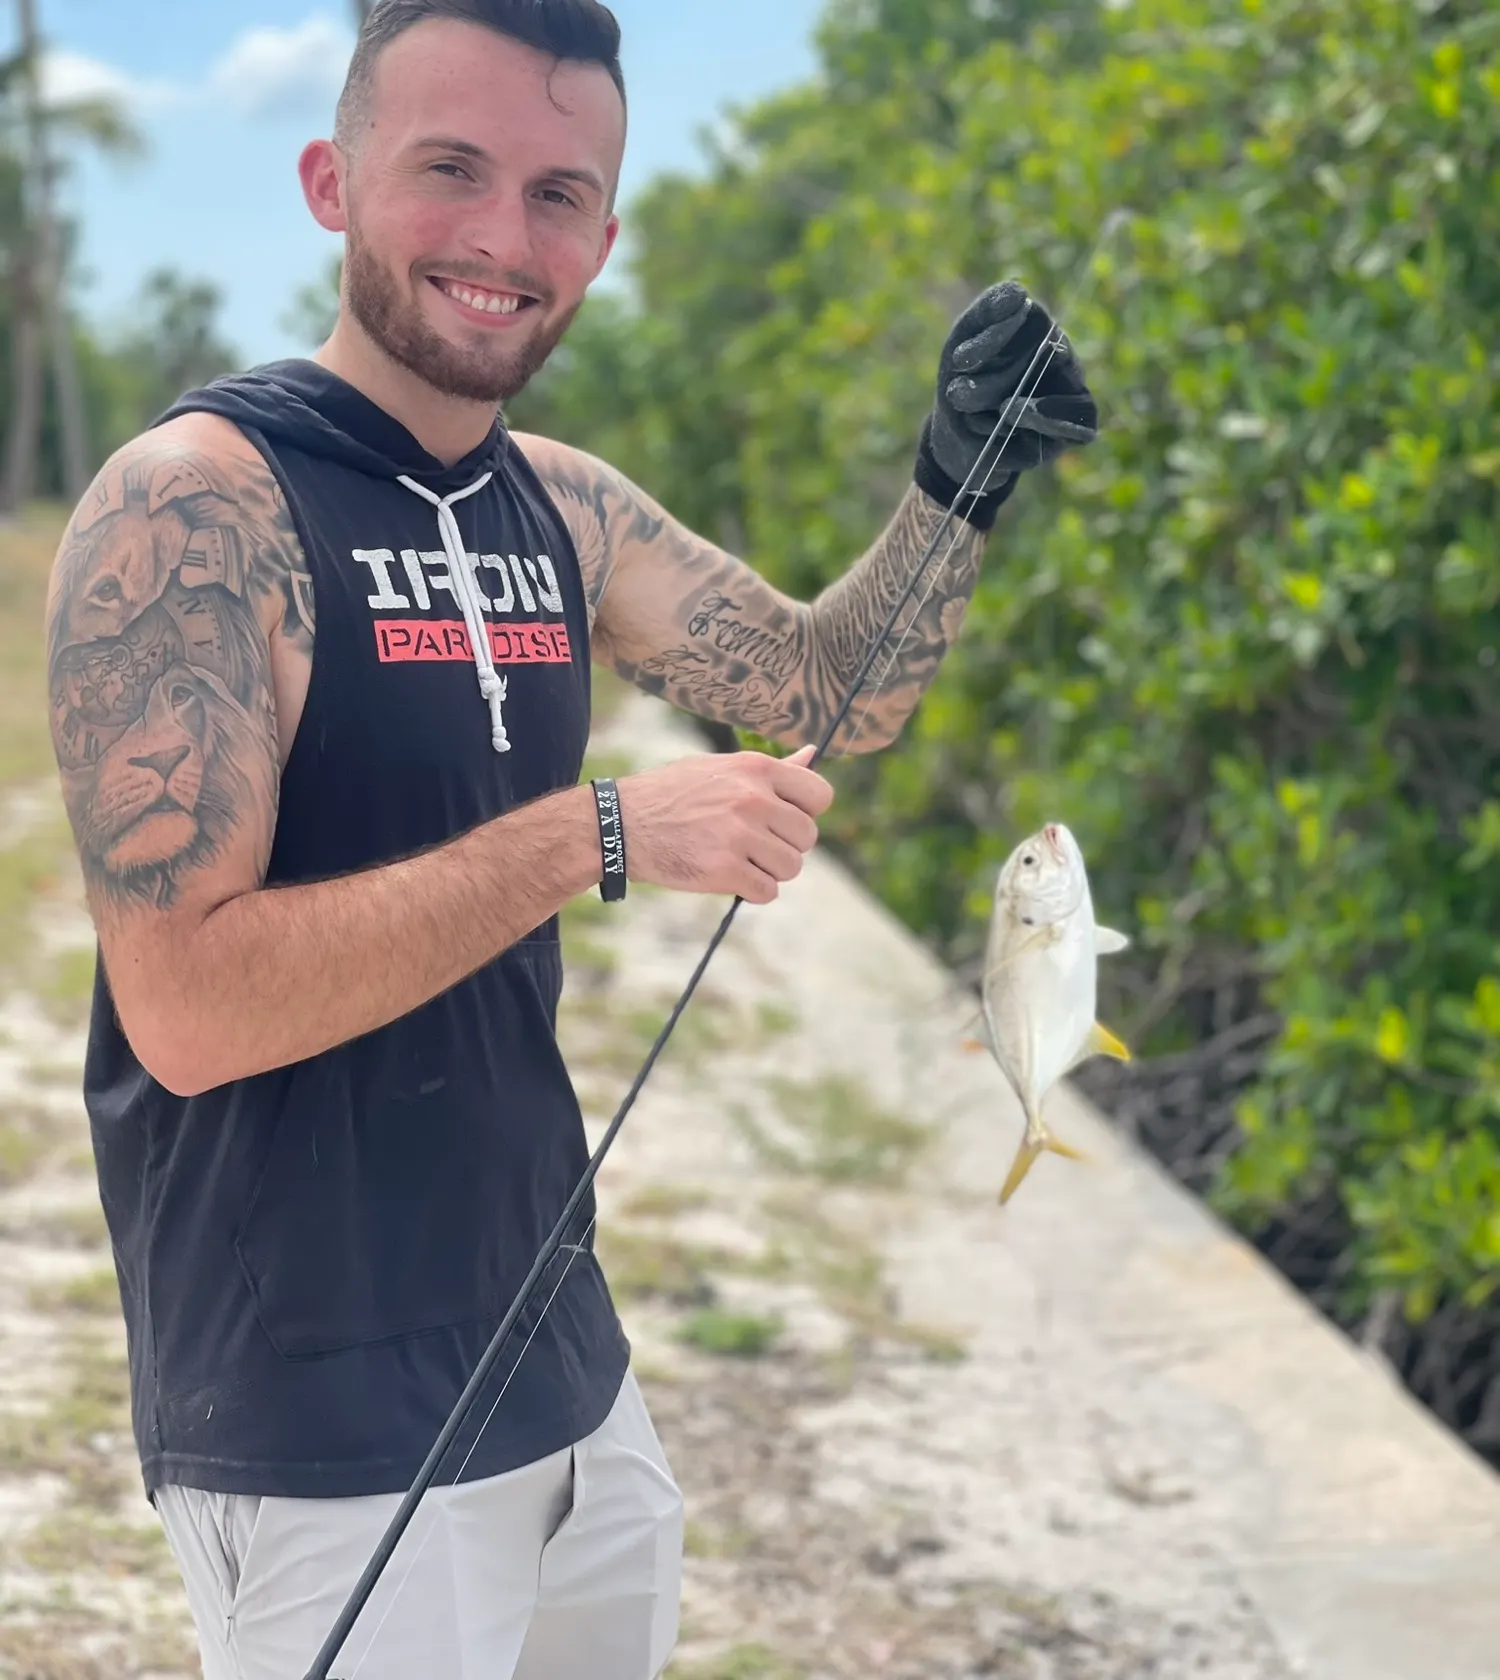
<point x="385" y="1550"/>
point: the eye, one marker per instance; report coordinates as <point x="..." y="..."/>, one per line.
<point x="457" y="168"/>
<point x="556" y="195"/>
<point x="1029" y="861"/>
<point x="108" y="591"/>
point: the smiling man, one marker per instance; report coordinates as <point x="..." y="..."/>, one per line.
<point x="320" y="646"/>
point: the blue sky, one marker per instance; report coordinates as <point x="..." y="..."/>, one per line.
<point x="228" y="94"/>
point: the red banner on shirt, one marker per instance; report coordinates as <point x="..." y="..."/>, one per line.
<point x="422" y="641"/>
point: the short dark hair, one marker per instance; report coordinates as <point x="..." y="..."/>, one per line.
<point x="580" y="30"/>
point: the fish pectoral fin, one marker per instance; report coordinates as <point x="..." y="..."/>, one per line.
<point x="1108" y="943"/>
<point x="1102" y="1042"/>
<point x="976" y="1040"/>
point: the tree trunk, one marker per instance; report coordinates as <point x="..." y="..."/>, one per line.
<point x="19" y="484"/>
<point x="48" y="301"/>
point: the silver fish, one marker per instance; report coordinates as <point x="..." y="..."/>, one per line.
<point x="1040" y="990"/>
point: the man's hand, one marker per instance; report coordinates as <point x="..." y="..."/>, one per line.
<point x="738" y="823"/>
<point x="995" y="354"/>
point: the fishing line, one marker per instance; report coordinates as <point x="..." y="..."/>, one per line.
<point x="932" y="582"/>
<point x="360" y="1596"/>
<point x="1114" y="220"/>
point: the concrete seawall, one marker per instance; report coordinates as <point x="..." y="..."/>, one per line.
<point x="1111" y="1318"/>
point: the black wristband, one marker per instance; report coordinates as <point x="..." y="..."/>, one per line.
<point x="979" y="511"/>
<point x="611" y="839"/>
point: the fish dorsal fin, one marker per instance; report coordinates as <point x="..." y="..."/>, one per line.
<point x="1108" y="943"/>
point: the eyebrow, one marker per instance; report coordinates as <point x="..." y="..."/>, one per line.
<point x="467" y="148"/>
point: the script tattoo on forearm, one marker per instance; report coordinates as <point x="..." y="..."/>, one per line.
<point x="688" y="622"/>
<point x="850" y="614"/>
<point x="163" y="716"/>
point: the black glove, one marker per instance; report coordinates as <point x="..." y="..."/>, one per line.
<point x="991" y="354"/>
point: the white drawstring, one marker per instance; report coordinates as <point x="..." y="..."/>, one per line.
<point x="466" y="591"/>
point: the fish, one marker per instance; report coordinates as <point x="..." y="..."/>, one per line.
<point x="1039" y="994"/>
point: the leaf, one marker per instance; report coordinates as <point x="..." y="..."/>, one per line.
<point x="1487" y="1005"/>
<point x="1305" y="589"/>
<point x="1392" y="1036"/>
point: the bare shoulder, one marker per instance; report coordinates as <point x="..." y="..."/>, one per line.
<point x="175" y="575"/>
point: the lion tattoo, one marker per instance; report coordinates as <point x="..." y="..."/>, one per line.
<point x="166" y="794"/>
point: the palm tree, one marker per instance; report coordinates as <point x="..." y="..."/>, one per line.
<point x="31" y="242"/>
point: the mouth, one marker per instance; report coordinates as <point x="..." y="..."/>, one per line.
<point x="480" y="303"/>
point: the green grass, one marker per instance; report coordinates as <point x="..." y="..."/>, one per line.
<point x="849" y="1276"/>
<point x="730" y="1335"/>
<point x="666" y="1201"/>
<point x="642" y="1267"/>
<point x="741" y="1662"/>
<point x="97" y="1293"/>
<point x="27" y="1137"/>
<point x="26" y="553"/>
<point x="58" y="1439"/>
<point x="843" y="1135"/>
<point x="77" y="1538"/>
<point x="66" y="988"/>
<point x="28" y="869"/>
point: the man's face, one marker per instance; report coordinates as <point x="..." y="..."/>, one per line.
<point x="477" y="205"/>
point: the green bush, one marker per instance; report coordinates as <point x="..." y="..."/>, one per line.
<point x="1246" y="645"/>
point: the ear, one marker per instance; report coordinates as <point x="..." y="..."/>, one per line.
<point x="611" y="234"/>
<point x="321" y="169"/>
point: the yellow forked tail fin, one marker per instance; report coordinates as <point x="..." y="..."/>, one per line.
<point x="1026" y="1155"/>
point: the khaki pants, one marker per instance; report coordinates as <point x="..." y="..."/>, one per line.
<point x="568" y="1569"/>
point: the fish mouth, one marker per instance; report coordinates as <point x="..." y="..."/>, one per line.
<point x="1052" y="838"/>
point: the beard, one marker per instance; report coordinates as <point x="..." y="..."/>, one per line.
<point x="483" y="371"/>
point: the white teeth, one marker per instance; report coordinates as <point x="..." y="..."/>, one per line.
<point x="490" y="304"/>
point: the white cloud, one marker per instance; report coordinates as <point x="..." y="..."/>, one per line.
<point x="284" y="72"/>
<point x="69" y="76"/>
<point x="264" y="72"/>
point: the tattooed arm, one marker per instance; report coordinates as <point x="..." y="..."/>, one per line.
<point x="684" y="620"/>
<point x="180" y="629"/>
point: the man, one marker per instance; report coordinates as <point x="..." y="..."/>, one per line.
<point x="319" y="646"/>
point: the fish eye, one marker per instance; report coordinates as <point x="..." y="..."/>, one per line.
<point x="1029" y="861"/>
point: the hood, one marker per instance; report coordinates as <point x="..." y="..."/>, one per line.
<point x="297" y="402"/>
<point x="300" y="403"/>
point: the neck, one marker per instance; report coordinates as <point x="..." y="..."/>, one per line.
<point x="446" y="427"/>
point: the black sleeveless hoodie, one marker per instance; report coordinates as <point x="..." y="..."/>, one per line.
<point x="313" y="1260"/>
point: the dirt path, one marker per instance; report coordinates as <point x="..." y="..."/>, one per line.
<point x="870" y="1493"/>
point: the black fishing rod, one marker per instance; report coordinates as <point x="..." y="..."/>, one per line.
<point x="375" y="1569"/>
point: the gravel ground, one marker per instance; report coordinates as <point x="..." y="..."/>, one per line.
<point x="871" y="1491"/>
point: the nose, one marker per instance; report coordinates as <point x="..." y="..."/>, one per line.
<point x="501" y="232"/>
<point x="163" y="763"/>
